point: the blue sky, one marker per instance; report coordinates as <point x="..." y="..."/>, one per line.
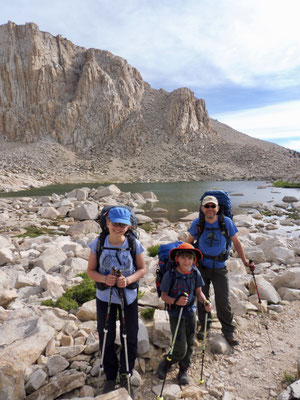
<point x="241" y="56"/>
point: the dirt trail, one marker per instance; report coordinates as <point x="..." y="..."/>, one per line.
<point x="251" y="372"/>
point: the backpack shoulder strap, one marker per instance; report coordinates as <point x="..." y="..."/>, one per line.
<point x="132" y="246"/>
<point x="100" y="245"/>
<point x="99" y="249"/>
<point x="222" y="226"/>
<point x="200" y="228"/>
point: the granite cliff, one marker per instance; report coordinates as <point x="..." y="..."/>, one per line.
<point x="68" y="113"/>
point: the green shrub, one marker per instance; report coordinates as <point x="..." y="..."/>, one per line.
<point x="140" y="294"/>
<point x="153" y="250"/>
<point x="83" y="275"/>
<point x="285" y="184"/>
<point x="48" y="303"/>
<point x="148" y="313"/>
<point x="75" y="296"/>
<point x="66" y="304"/>
<point x="83" y="292"/>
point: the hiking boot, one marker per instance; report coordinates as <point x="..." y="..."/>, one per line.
<point x="200" y="334"/>
<point x="231" y="339"/>
<point x="109" y="386"/>
<point x="162" y="369"/>
<point x="124" y="384"/>
<point x="182" y="376"/>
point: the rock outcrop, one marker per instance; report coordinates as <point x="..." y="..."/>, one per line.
<point x="68" y="109"/>
<point x="80" y="97"/>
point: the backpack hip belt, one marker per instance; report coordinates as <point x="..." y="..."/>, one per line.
<point x="220" y="257"/>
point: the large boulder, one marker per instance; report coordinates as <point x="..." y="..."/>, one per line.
<point x="5" y="242"/>
<point x="292" y="392"/>
<point x="49" y="213"/>
<point x="7" y="296"/>
<point x="265" y="289"/>
<point x="143" y="339"/>
<point x="161" y="329"/>
<point x="23" y="338"/>
<point x="276" y="250"/>
<point x="235" y="266"/>
<point x="289" y="294"/>
<point x="83" y="228"/>
<point x="11" y="383"/>
<point x="6" y="256"/>
<point x="65" y="382"/>
<point x="111" y="190"/>
<point x="289" y="279"/>
<point x="255" y="254"/>
<point x="87" y="311"/>
<point x="85" y="211"/>
<point x="50" y="258"/>
<point x="79" y="194"/>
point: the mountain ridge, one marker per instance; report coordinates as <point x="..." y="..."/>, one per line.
<point x="95" y="106"/>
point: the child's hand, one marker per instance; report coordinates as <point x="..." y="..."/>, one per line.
<point x="182" y="301"/>
<point x="207" y="306"/>
<point x="110" y="280"/>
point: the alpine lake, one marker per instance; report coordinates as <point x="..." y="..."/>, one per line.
<point x="176" y="196"/>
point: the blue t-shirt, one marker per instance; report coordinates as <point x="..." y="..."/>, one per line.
<point x="108" y="260"/>
<point x="175" y="283"/>
<point x="212" y="242"/>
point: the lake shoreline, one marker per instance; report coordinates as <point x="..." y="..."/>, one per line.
<point x="24" y="183"/>
<point x="175" y="196"/>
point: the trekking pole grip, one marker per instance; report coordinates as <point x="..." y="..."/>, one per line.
<point x="251" y="266"/>
<point x="178" y="297"/>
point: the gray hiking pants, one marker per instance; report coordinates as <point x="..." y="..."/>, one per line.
<point x="219" y="279"/>
<point x="184" y="344"/>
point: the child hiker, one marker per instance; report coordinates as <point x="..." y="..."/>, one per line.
<point x="116" y="255"/>
<point x="179" y="288"/>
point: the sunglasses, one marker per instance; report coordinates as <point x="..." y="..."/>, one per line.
<point x="210" y="206"/>
<point x="119" y="224"/>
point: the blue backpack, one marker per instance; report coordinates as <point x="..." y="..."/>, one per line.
<point x="224" y="211"/>
<point x="164" y="262"/>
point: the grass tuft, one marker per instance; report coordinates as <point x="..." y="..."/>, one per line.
<point x="34" y="231"/>
<point x="153" y="250"/>
<point x="148" y="313"/>
<point x="285" y="184"/>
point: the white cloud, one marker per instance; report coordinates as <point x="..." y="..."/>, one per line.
<point x="189" y="43"/>
<point x="267" y="123"/>
<point x="205" y="45"/>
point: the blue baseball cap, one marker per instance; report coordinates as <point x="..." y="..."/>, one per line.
<point x="120" y="215"/>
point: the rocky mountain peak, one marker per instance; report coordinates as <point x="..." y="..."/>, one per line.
<point x="94" y="104"/>
<point x="77" y="96"/>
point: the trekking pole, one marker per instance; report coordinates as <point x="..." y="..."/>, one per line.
<point x="169" y="356"/>
<point x="203" y="346"/>
<point x="261" y="308"/>
<point x="105" y="331"/>
<point x="124" y="333"/>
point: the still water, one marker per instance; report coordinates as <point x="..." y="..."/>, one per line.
<point x="174" y="196"/>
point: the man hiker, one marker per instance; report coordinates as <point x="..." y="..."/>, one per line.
<point x="212" y="242"/>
